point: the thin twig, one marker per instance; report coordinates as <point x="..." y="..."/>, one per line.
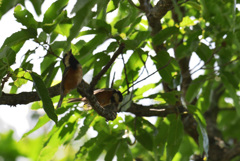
<point x="125" y="72"/>
<point x="113" y="79"/>
<point x="106" y="67"/>
<point x="160" y="68"/>
<point x="49" y="50"/>
<point x="5" y="79"/>
<point x="207" y="62"/>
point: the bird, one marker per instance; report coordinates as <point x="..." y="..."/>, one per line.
<point x="72" y="75"/>
<point x="105" y="97"/>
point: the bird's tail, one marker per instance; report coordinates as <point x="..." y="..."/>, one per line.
<point x="60" y="101"/>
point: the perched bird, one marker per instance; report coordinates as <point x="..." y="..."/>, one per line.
<point x="72" y="75"/>
<point x="105" y="96"/>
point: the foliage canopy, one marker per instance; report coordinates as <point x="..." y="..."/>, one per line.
<point x="196" y="108"/>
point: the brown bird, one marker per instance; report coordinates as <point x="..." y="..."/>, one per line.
<point x="72" y="75"/>
<point x="105" y="96"/>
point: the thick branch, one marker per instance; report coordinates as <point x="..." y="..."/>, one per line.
<point x="232" y="153"/>
<point x="161" y="8"/>
<point x="106" y="67"/>
<point x="139" y="110"/>
<point x="85" y="90"/>
<point x="153" y="110"/>
<point x="26" y="97"/>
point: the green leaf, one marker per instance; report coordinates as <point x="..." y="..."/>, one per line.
<point x="112" y="152"/>
<point x="0" y="87"/>
<point x="51" y="75"/>
<point x="231" y="90"/>
<point x="54" y="11"/>
<point x="86" y="125"/>
<point x="63" y="29"/>
<point x="7" y="5"/>
<point x="81" y="154"/>
<point x="139" y="92"/>
<point x="101" y="9"/>
<point x="194" y="87"/>
<point x="195" y="5"/>
<point x="49" y="27"/>
<point x="127" y="101"/>
<point x="141" y="136"/>
<point x="161" y="60"/>
<point x="204" y="52"/>
<point x="112" y="5"/>
<point x="9" y="55"/>
<point x="206" y="94"/>
<point x="203" y="137"/>
<point x="55" y="140"/>
<point x="41" y="121"/>
<point x="79" y="5"/>
<point x="175" y="135"/>
<point x="160" y="137"/>
<point x="182" y="51"/>
<point x="170" y="97"/>
<point x="89" y="47"/>
<point x="100" y="26"/>
<point x="37" y="6"/>
<point x="48" y="62"/>
<point x="82" y="17"/>
<point x="42" y="37"/>
<point x="124" y="152"/>
<point x="95" y="151"/>
<point x="137" y="39"/>
<point x="44" y="96"/>
<point x="101" y="59"/>
<point x="124" y="23"/>
<point x="165" y="34"/>
<point x="25" y="17"/>
<point x="20" y="36"/>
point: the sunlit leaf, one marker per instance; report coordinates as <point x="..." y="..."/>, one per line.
<point x="25" y="17"/>
<point x="175" y="134"/>
<point x="41" y="121"/>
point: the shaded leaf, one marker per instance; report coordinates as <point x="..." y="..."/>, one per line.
<point x="44" y="96"/>
<point x="203" y="136"/>
<point x="86" y="125"/>
<point x="232" y="92"/>
<point x="193" y="89"/>
<point x="161" y="60"/>
<point x="37" y="5"/>
<point x="164" y="35"/>
<point x="204" y="52"/>
<point x="82" y="17"/>
<point x="20" y="36"/>
<point x="7" y="5"/>
<point x="54" y="11"/>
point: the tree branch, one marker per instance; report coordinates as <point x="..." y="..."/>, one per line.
<point x="106" y="67"/>
<point x="154" y="110"/>
<point x="232" y="153"/>
<point x="26" y="97"/>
